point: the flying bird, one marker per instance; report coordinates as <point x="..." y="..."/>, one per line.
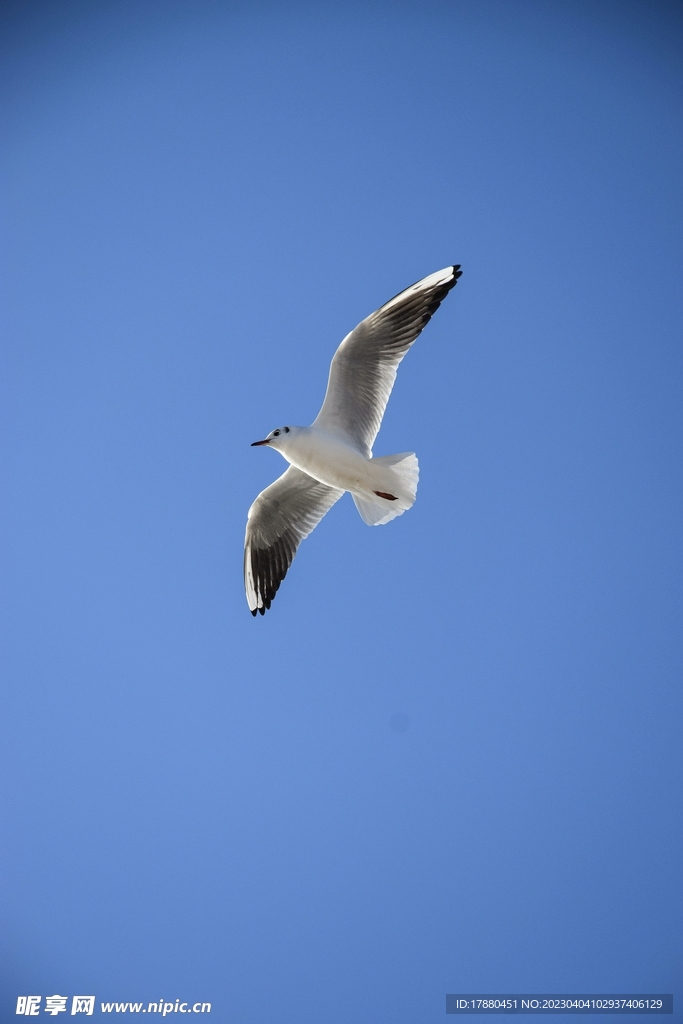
<point x="334" y="454"/>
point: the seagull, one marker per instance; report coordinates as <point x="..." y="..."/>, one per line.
<point x="334" y="454"/>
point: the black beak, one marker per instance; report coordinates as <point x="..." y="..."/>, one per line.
<point x="257" y="443"/>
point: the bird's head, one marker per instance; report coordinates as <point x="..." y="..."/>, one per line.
<point x="277" y="438"/>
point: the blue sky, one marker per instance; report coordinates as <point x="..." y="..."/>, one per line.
<point x="201" y="200"/>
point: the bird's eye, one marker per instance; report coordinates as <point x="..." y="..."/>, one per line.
<point x="275" y="433"/>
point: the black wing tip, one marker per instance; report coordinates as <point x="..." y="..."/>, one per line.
<point x="440" y="293"/>
<point x="269" y="567"/>
<point x="451" y="283"/>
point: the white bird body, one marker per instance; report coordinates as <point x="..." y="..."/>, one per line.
<point x="334" y="461"/>
<point x="334" y="454"/>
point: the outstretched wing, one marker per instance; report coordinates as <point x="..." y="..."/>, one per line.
<point x="364" y="366"/>
<point x="280" y="518"/>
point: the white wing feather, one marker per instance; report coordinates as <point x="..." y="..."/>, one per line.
<point x="280" y="518"/>
<point x="364" y="366"/>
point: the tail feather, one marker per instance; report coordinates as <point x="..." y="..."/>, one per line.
<point x="405" y="471"/>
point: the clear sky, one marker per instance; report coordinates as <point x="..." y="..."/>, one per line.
<point x="449" y="758"/>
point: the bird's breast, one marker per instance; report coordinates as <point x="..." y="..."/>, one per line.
<point x="330" y="460"/>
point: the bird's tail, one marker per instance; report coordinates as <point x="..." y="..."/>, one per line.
<point x="381" y="507"/>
